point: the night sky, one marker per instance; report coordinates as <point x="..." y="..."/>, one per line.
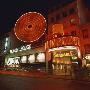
<point x="11" y="10"/>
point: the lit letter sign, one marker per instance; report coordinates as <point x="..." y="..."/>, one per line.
<point x="22" y="48"/>
<point x="62" y="41"/>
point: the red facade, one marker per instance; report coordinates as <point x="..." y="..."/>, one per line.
<point x="74" y="17"/>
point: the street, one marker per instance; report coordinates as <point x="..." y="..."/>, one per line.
<point x="10" y="82"/>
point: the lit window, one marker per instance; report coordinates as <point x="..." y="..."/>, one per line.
<point x="85" y="33"/>
<point x="6" y="39"/>
<point x="24" y="59"/>
<point x="6" y="43"/>
<point x="10" y="61"/>
<point x="17" y="60"/>
<point x="52" y="19"/>
<point x="73" y="33"/>
<point x="71" y="11"/>
<point x="41" y="57"/>
<point x="58" y="17"/>
<point x="73" y="21"/>
<point x="87" y="48"/>
<point x="64" y="14"/>
<point x="31" y="58"/>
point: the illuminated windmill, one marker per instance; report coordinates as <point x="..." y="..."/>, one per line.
<point x="30" y="27"/>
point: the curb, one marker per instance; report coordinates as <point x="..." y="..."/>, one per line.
<point x="46" y="76"/>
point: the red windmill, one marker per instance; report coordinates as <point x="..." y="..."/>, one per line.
<point x="30" y="27"/>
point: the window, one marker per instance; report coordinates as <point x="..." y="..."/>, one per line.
<point x="52" y="19"/>
<point x="85" y="33"/>
<point x="73" y="21"/>
<point x="71" y="11"/>
<point x="31" y="58"/>
<point x="87" y="48"/>
<point x="73" y="33"/>
<point x="64" y="14"/>
<point x="23" y="59"/>
<point x="6" y="43"/>
<point x="58" y="17"/>
<point x="41" y="57"/>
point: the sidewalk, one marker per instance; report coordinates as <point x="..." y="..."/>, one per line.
<point x="38" y="74"/>
<point x="24" y="73"/>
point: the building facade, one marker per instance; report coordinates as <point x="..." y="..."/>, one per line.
<point x="65" y="44"/>
<point x="23" y="47"/>
<point x="16" y="54"/>
<point x="68" y="35"/>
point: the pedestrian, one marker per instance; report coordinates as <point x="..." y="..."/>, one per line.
<point x="65" y="69"/>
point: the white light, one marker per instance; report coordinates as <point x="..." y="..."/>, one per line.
<point x="11" y="51"/>
<point x="60" y="48"/>
<point x="10" y="61"/>
<point x="28" y="46"/>
<point x="23" y="48"/>
<point x="50" y="50"/>
<point x="16" y="60"/>
<point x="41" y="57"/>
<point x="15" y="50"/>
<point x="87" y="57"/>
<point x="23" y="59"/>
<point x="6" y="39"/>
<point x="31" y="58"/>
<point x="70" y="47"/>
<point x="75" y="62"/>
<point x="6" y="43"/>
<point x="79" y="53"/>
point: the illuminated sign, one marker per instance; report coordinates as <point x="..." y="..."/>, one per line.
<point x="30" y="27"/>
<point x="31" y="58"/>
<point x="22" y="48"/>
<point x="62" y="41"/>
<point x="57" y="28"/>
<point x="41" y="57"/>
<point x="23" y="59"/>
<point x="87" y="57"/>
<point x="6" y="44"/>
<point x="13" y="62"/>
<point x="63" y="54"/>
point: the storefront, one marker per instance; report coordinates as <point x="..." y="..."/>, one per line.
<point x="64" y="53"/>
<point x="86" y="60"/>
<point x="25" y="57"/>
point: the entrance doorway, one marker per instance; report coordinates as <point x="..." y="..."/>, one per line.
<point x="62" y="61"/>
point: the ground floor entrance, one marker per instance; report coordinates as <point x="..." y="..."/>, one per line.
<point x="63" y="59"/>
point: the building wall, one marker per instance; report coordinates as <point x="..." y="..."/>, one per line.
<point x="15" y="43"/>
<point x="70" y="17"/>
<point x="85" y="38"/>
<point x="67" y="16"/>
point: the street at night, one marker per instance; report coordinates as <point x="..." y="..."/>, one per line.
<point x="44" y="45"/>
<point x="9" y="82"/>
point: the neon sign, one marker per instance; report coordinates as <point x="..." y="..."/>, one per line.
<point x="22" y="48"/>
<point x="62" y="41"/>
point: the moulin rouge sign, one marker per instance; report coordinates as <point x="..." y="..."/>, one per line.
<point x="62" y="41"/>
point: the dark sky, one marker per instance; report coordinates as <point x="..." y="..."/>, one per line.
<point x="11" y="10"/>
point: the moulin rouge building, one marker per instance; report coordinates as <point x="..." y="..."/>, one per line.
<point x="68" y="34"/>
<point x="67" y="39"/>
